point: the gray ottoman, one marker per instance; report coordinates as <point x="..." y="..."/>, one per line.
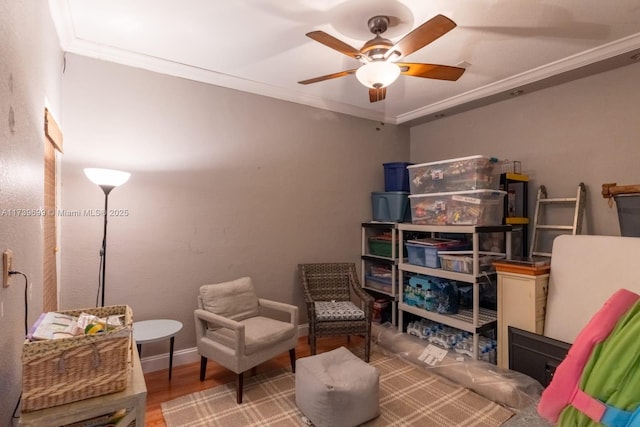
<point x="337" y="389"/>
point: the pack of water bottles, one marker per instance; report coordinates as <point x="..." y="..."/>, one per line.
<point x="486" y="348"/>
<point x="437" y="333"/>
<point x="453" y="339"/>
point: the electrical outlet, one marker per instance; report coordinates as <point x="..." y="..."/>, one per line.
<point x="7" y="266"/>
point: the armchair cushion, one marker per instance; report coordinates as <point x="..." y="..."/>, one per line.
<point x="259" y="333"/>
<point x="337" y="310"/>
<point x="235" y="300"/>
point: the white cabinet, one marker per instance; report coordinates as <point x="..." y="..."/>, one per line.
<point x="473" y="320"/>
<point x="379" y="259"/>
<point x="522" y="299"/>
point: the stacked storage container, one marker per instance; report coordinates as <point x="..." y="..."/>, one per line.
<point x="392" y="204"/>
<point x="462" y="191"/>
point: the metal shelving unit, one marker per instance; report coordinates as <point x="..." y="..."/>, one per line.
<point x="474" y="320"/>
<point x="370" y="229"/>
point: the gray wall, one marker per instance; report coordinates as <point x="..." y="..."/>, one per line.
<point x="583" y="131"/>
<point x="30" y="63"/>
<point x="224" y="184"/>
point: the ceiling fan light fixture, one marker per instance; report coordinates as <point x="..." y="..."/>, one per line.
<point x="378" y="74"/>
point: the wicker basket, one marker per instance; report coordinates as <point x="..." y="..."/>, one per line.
<point x="60" y="371"/>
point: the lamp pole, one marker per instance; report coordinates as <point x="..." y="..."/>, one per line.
<point x="103" y="251"/>
<point x="107" y="180"/>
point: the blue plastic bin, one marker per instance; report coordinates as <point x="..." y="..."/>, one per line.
<point x="391" y="206"/>
<point x="396" y="176"/>
<point x="428" y="256"/>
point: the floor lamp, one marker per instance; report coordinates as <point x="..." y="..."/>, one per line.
<point x="107" y="179"/>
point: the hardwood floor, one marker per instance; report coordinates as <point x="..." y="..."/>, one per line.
<point x="186" y="378"/>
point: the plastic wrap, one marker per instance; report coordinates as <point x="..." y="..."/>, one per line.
<point x="509" y="388"/>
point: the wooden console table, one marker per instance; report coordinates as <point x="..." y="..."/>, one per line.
<point x="134" y="397"/>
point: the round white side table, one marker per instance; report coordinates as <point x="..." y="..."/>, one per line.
<point x="148" y="331"/>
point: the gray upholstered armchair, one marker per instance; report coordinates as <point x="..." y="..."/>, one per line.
<point x="232" y="329"/>
<point x="328" y="291"/>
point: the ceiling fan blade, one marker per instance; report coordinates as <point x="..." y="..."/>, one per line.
<point x="422" y="36"/>
<point x="334" y="43"/>
<point x="430" y="71"/>
<point x="376" y="95"/>
<point x="327" y="77"/>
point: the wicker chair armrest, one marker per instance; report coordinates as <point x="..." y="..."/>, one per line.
<point x="361" y="294"/>
<point x="308" y="299"/>
<point x="311" y="307"/>
<point x="282" y="307"/>
<point x="365" y="298"/>
<point x="367" y="302"/>
<point x="305" y="290"/>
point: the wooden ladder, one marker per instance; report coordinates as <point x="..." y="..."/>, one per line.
<point x="543" y="203"/>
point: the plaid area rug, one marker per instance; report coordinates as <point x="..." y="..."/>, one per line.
<point x="409" y="396"/>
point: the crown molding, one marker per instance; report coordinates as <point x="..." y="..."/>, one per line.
<point x="484" y="95"/>
<point x="546" y="72"/>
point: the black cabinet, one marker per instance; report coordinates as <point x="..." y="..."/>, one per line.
<point x="516" y="210"/>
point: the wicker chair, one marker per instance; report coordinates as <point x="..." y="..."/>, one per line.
<point x="328" y="288"/>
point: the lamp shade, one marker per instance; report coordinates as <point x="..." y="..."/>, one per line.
<point x="378" y="74"/>
<point x="107" y="177"/>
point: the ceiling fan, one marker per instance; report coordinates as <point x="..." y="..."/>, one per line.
<point x="380" y="56"/>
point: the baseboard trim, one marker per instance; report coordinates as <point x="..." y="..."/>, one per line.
<point x="161" y="361"/>
<point x="186" y="356"/>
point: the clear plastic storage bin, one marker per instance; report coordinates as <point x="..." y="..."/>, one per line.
<point x="462" y="261"/>
<point x="461" y="174"/>
<point x="477" y="207"/>
<point x="425" y="252"/>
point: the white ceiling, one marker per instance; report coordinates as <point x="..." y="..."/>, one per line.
<point x="260" y="46"/>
